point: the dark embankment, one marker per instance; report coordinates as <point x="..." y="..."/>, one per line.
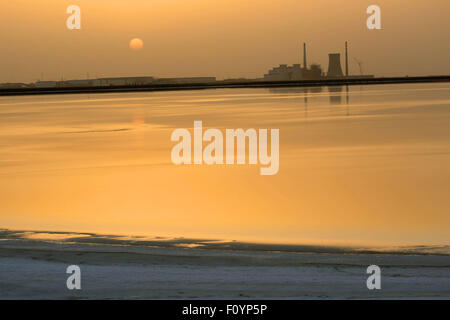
<point x="221" y="84"/>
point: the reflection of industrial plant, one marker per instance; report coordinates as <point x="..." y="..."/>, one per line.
<point x="313" y="96"/>
<point x="297" y="72"/>
<point x="335" y="93"/>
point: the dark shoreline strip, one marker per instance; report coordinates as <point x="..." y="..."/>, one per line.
<point x="222" y="85"/>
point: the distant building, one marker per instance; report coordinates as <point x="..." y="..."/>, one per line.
<point x="234" y="80"/>
<point x="284" y="73"/>
<point x="46" y="84"/>
<point x="314" y="73"/>
<point x="295" y="72"/>
<point x="76" y="83"/>
<point x="185" y="80"/>
<point x="12" y="85"/>
<point x="123" y="81"/>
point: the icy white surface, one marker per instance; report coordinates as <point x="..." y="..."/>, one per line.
<point x="190" y="273"/>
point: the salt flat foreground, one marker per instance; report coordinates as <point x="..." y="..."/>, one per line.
<point x="32" y="269"/>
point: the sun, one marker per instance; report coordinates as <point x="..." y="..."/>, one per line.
<point x="136" y="44"/>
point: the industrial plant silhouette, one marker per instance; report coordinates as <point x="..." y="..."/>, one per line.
<point x="283" y="72"/>
<point x="296" y="72"/>
<point x="281" y="76"/>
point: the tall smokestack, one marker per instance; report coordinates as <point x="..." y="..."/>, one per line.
<point x="304" y="56"/>
<point x="346" y="59"/>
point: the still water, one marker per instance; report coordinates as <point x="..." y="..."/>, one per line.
<point x="363" y="164"/>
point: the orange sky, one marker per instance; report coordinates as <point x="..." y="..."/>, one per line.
<point x="223" y="38"/>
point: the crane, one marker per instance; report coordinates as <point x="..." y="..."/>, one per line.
<point x="360" y="63"/>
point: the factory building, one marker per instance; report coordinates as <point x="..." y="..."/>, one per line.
<point x="284" y="73"/>
<point x="189" y="80"/>
<point x="102" y="82"/>
<point x="294" y="72"/>
<point x="76" y="83"/>
<point x="13" y="85"/>
<point x="46" y="84"/>
<point x="123" y="81"/>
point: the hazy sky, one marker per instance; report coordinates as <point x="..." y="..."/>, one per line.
<point x="222" y="38"/>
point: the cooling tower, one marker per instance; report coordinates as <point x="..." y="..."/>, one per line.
<point x="334" y="65"/>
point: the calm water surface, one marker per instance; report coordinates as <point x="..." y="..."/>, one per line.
<point x="363" y="164"/>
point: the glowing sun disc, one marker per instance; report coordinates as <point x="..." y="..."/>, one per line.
<point x="136" y="44"/>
